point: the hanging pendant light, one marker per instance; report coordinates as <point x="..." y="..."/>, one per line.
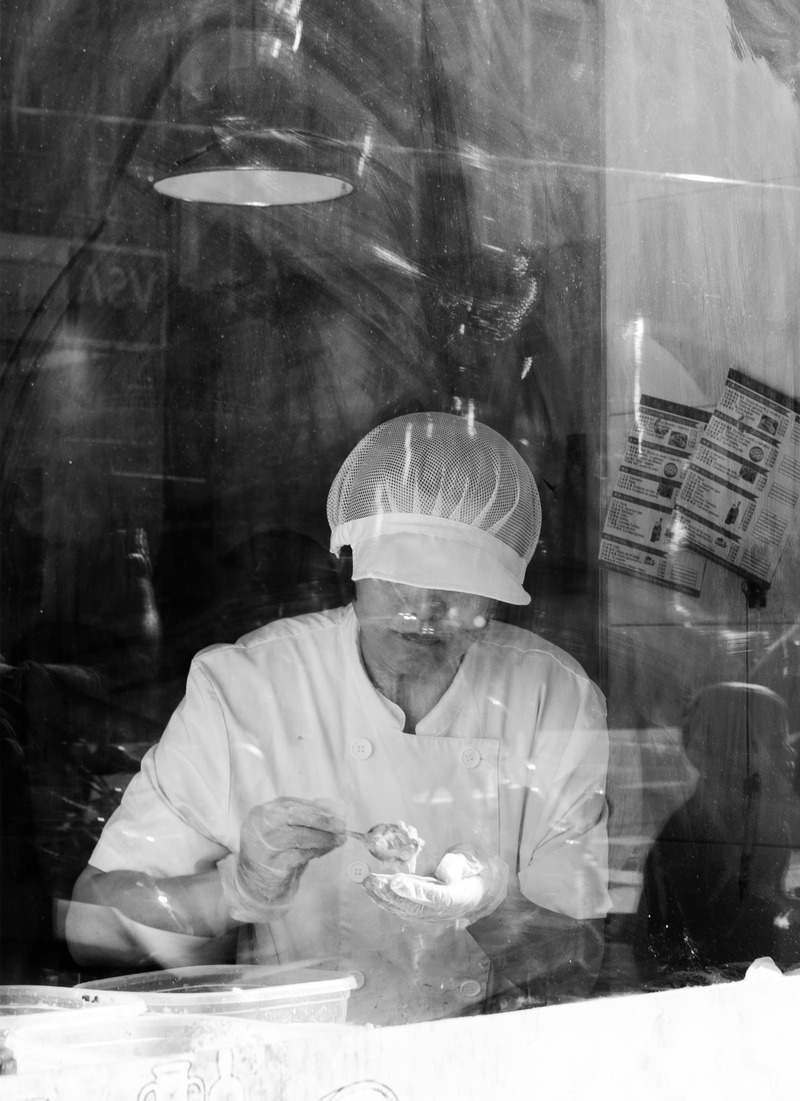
<point x="250" y="167"/>
<point x="265" y="137"/>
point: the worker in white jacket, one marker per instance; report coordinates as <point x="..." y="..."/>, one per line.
<point x="411" y="705"/>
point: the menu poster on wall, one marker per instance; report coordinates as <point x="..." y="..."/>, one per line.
<point x="639" y="535"/>
<point x="737" y="503"/>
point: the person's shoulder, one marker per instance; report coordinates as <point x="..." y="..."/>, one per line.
<point x="517" y="645"/>
<point x="303" y="629"/>
<point x="539" y="674"/>
<point x="295" y="627"/>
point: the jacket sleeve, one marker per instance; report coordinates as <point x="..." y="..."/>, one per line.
<point x="563" y="851"/>
<point x="173" y="817"/>
<point x="547" y="937"/>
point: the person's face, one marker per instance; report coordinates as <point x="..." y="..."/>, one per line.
<point x="408" y="630"/>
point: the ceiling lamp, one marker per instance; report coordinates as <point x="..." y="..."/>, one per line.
<point x="249" y="167"/>
<point x="265" y="119"/>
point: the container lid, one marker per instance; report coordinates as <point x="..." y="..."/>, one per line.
<point x="22" y="1001"/>
<point x="227" y="983"/>
<point x="49" y="1041"/>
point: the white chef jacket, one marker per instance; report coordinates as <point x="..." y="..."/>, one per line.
<point x="512" y="758"/>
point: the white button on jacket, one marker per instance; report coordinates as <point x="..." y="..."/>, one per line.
<point x="357" y="871"/>
<point x="361" y="749"/>
<point x="470" y="757"/>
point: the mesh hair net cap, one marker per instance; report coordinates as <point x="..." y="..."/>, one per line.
<point x="440" y="502"/>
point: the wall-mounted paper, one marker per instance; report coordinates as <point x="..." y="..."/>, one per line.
<point x="738" y="500"/>
<point x="640" y="536"/>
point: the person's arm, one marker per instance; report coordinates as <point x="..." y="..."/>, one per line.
<point x="190" y="904"/>
<point x="547" y="936"/>
<point x="549" y="957"/>
<point x="152" y="891"/>
<point x="130" y="918"/>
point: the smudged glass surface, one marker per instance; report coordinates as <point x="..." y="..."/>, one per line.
<point x="557" y="208"/>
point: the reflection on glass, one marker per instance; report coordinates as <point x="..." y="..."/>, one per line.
<point x="562" y="217"/>
<point x="473" y="750"/>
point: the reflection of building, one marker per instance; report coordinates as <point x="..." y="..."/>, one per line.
<point x="84" y="397"/>
<point x="117" y="291"/>
<point x="197" y="375"/>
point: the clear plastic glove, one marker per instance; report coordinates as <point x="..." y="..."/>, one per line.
<point x="277" y="841"/>
<point x="467" y="886"/>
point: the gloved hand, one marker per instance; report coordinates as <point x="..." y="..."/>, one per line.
<point x="277" y="841"/>
<point x="467" y="886"/>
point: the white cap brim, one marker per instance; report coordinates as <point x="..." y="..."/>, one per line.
<point x="431" y="553"/>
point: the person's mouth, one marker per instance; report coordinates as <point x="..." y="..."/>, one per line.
<point x="417" y="638"/>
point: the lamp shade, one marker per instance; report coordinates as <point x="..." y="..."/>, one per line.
<point x="258" y="90"/>
<point x="248" y="167"/>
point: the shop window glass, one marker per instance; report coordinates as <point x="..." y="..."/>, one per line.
<point x="571" y="221"/>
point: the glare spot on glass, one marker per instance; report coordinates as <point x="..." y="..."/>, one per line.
<point x="678" y="529"/>
<point x="407" y="459"/>
<point x="527" y="363"/>
<point x="292" y="8"/>
<point x="638" y="342"/>
<point x="471" y="416"/>
<point x="474" y="156"/>
<point x="298" y="34"/>
<point x="366" y="150"/>
<point x="385" y="254"/>
<point x="99" y="819"/>
<point x="479" y="622"/>
<point x="149" y="838"/>
<point x="252" y="749"/>
<point x="162" y="899"/>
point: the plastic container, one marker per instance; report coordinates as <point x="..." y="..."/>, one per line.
<point x="84" y="1041"/>
<point x="20" y="1004"/>
<point x="21" y="1001"/>
<point x="269" y="994"/>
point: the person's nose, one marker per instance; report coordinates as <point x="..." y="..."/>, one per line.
<point x="430" y="608"/>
